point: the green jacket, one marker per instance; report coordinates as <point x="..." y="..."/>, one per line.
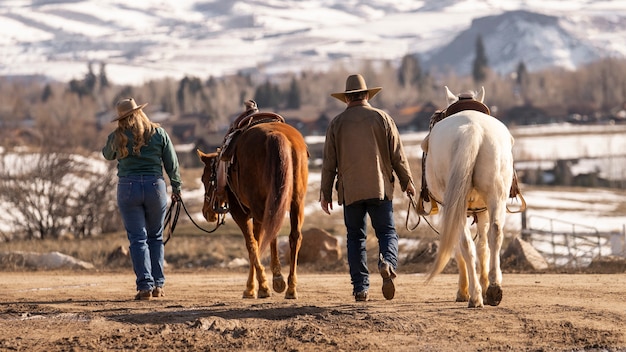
<point x="363" y="150"/>
<point x="159" y="153"/>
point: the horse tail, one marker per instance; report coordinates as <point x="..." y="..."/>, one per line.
<point x="457" y="189"/>
<point x="279" y="172"/>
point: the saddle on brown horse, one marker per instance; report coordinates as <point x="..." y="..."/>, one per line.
<point x="250" y="117"/>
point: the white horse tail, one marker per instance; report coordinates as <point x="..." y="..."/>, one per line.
<point x="455" y="199"/>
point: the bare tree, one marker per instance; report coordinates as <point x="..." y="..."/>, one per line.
<point x="47" y="195"/>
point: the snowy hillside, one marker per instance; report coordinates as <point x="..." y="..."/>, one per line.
<point x="146" y="39"/>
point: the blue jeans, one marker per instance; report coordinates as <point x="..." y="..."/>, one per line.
<point x="142" y="201"/>
<point x="381" y="216"/>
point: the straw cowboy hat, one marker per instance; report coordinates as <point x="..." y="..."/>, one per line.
<point x="354" y="84"/>
<point x="126" y="107"/>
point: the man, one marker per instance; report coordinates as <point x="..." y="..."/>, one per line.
<point x="363" y="150"/>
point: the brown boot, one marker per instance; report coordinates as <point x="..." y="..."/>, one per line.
<point x="361" y="296"/>
<point x="143" y="295"/>
<point x="158" y="292"/>
<point x="388" y="275"/>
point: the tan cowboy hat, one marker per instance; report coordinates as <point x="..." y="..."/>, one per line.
<point x="354" y="84"/>
<point x="126" y="107"/>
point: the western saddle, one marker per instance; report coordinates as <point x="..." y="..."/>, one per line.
<point x="247" y="119"/>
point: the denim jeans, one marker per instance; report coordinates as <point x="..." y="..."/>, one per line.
<point x="381" y="216"/>
<point x="142" y="201"/>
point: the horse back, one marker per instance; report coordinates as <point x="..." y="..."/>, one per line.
<point x="448" y="140"/>
<point x="251" y="173"/>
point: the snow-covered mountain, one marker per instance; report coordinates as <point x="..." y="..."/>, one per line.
<point x="145" y="39"/>
<point x="518" y="36"/>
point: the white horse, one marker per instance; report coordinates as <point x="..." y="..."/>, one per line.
<point x="469" y="172"/>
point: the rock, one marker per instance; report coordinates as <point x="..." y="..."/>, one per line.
<point x="317" y="245"/>
<point x="522" y="255"/>
<point x="43" y="261"/>
<point x="119" y="257"/>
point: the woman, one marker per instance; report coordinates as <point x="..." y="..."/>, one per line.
<point x="142" y="149"/>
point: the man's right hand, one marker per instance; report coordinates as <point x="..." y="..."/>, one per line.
<point x="410" y="189"/>
<point x="326" y="206"/>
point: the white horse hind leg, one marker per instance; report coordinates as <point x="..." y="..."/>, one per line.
<point x="494" y="292"/>
<point x="482" y="249"/>
<point x="468" y="250"/>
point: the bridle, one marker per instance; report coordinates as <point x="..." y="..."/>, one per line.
<point x="210" y="193"/>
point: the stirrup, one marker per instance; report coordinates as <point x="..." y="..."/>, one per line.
<point x="522" y="207"/>
<point x="221" y="209"/>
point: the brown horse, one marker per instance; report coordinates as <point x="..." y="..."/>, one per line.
<point x="267" y="176"/>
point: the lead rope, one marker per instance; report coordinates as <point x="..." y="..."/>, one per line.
<point x="413" y="204"/>
<point x="171" y="219"/>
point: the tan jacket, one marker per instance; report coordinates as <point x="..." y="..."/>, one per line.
<point x="363" y="150"/>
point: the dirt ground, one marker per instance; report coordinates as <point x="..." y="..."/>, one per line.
<point x="204" y="311"/>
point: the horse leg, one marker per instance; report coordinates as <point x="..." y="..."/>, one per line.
<point x="296" y="218"/>
<point x="494" y="292"/>
<point x="462" y="295"/>
<point x="482" y="250"/>
<point x="255" y="259"/>
<point x="468" y="250"/>
<point x="255" y="268"/>
<point x="252" y="248"/>
<point x="278" y="281"/>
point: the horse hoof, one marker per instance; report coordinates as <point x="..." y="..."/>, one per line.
<point x="462" y="297"/>
<point x="291" y="294"/>
<point x="279" y="284"/>
<point x="249" y="293"/>
<point x="494" y="295"/>
<point x="264" y="293"/>
<point x="474" y="303"/>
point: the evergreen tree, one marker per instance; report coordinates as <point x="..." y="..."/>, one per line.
<point x="47" y="93"/>
<point x="90" y="80"/>
<point x="479" y="68"/>
<point x="267" y="95"/>
<point x="521" y="81"/>
<point x="410" y="71"/>
<point x="522" y="74"/>
<point x="104" y="80"/>
<point x="180" y="94"/>
<point x="293" y="95"/>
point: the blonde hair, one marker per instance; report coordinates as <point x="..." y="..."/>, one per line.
<point x="142" y="128"/>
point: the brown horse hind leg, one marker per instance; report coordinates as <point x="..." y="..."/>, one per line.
<point x="278" y="281"/>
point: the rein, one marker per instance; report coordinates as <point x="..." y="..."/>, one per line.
<point x="420" y="216"/>
<point x="172" y="215"/>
